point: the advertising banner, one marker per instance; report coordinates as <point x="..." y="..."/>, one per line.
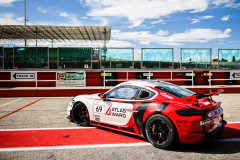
<point x="147" y="74"/>
<point x="235" y="75"/>
<point x="190" y="74"/>
<point x="70" y="79"/>
<point x="23" y="76"/>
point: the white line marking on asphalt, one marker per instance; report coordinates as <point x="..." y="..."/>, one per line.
<point x="232" y="122"/>
<point x="10" y="102"/>
<point x="227" y="140"/>
<point x="226" y="94"/>
<point x="73" y="147"/>
<point x="36" y="129"/>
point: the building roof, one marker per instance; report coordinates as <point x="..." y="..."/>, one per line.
<point x="57" y="33"/>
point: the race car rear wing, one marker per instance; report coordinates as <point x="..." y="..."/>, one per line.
<point x="193" y="99"/>
<point x="209" y="93"/>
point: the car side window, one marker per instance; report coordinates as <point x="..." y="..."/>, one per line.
<point x="145" y="94"/>
<point x="123" y="93"/>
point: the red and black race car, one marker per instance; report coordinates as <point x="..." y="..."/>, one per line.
<point x="162" y="112"/>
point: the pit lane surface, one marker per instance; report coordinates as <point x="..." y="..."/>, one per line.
<point x="50" y="113"/>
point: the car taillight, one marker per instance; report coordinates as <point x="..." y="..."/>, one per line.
<point x="189" y="112"/>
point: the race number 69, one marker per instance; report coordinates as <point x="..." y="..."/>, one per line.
<point x="98" y="109"/>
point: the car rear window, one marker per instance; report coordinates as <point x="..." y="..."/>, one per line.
<point x="174" y="89"/>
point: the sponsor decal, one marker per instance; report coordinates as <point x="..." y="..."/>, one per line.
<point x="189" y="100"/>
<point x="167" y="96"/>
<point x="206" y="103"/>
<point x="97" y="117"/>
<point x="116" y="112"/>
<point x="202" y="123"/>
<point x="108" y="111"/>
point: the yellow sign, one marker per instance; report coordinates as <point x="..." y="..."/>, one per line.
<point x="106" y="74"/>
<point x="190" y="74"/>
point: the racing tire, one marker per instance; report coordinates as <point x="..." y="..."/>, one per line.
<point x="80" y="114"/>
<point x="161" y="132"/>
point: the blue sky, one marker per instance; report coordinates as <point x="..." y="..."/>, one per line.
<point x="139" y="23"/>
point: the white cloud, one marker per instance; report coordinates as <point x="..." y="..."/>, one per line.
<point x="191" y="35"/>
<point x="8" y="19"/>
<point x="84" y="17"/>
<point x="7" y="2"/>
<point x="206" y="17"/>
<point x="136" y="22"/>
<point x="219" y="43"/>
<point x="104" y="21"/>
<point x="43" y="10"/>
<point x="159" y="21"/>
<point x="64" y="14"/>
<point x="225" y="18"/>
<point x="21" y="19"/>
<point x="161" y="32"/>
<point x="230" y="41"/>
<point x="171" y="44"/>
<point x="137" y="55"/>
<point x="195" y="20"/>
<point x="137" y="11"/>
<point x="227" y="31"/>
<point x="72" y="18"/>
<point x="144" y="42"/>
<point x="116" y="43"/>
<point x="228" y="3"/>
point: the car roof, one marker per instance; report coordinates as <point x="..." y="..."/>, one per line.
<point x="143" y="83"/>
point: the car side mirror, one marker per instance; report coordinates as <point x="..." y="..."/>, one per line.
<point x="103" y="96"/>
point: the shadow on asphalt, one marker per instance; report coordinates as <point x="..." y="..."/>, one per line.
<point x="210" y="147"/>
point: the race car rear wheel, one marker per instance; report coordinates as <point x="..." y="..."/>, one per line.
<point x="80" y="114"/>
<point x="160" y="131"/>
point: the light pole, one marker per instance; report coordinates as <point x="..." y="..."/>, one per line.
<point x="25" y="19"/>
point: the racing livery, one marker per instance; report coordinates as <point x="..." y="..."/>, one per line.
<point x="162" y="112"/>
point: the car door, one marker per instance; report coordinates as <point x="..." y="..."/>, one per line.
<point x="118" y="105"/>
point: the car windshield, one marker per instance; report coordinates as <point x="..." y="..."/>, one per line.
<point x="173" y="89"/>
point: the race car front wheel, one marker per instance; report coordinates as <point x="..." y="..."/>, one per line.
<point x="160" y="131"/>
<point x="80" y="114"/>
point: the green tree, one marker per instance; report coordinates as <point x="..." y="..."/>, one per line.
<point x="215" y="60"/>
<point x="233" y="59"/>
<point x="224" y="60"/>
